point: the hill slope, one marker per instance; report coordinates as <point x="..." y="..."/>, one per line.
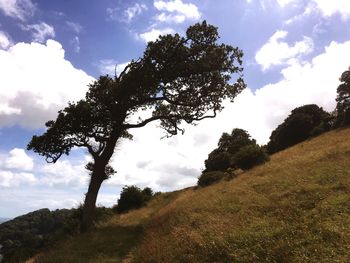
<point x="295" y="208"/>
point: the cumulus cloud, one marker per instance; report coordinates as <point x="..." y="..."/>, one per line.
<point x="153" y="34"/>
<point x="5" y="40"/>
<point x="278" y="52"/>
<point x="176" y="11"/>
<point x="40" y="32"/>
<point x="19" y="9"/>
<point x="37" y="81"/>
<point x="65" y="173"/>
<point x="329" y="8"/>
<point x="10" y="179"/>
<point x="18" y="159"/>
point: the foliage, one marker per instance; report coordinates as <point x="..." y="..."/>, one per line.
<point x="218" y="160"/>
<point x="233" y="150"/>
<point x="133" y="197"/>
<point x="343" y="100"/>
<point x="208" y="178"/>
<point x="249" y="156"/>
<point x="302" y="123"/>
<point x="178" y="79"/>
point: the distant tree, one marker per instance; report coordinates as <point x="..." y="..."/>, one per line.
<point x="177" y="79"/>
<point x="249" y="156"/>
<point x="209" y="178"/>
<point x="235" y="150"/>
<point x="133" y="197"/>
<point x="343" y="100"/>
<point x="302" y="123"/>
<point x="218" y="160"/>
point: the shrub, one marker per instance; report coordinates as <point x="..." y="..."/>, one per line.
<point x="302" y="123"/>
<point x="249" y="156"/>
<point x="217" y="161"/>
<point x="133" y="197"/>
<point x="208" y="178"/>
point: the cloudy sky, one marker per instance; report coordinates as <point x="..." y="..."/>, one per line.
<point x="295" y="51"/>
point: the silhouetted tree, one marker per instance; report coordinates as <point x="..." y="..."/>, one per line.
<point x="177" y="79"/>
<point x="343" y="100"/>
<point x="302" y="123"/>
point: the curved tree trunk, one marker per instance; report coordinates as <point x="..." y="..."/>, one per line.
<point x="90" y="202"/>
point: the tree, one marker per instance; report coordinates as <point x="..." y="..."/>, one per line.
<point x="220" y="158"/>
<point x="235" y="150"/>
<point x="177" y="79"/>
<point x="343" y="100"/>
<point x="133" y="197"/>
<point x="302" y="123"/>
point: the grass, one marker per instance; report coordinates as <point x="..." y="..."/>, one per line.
<point x="295" y="208"/>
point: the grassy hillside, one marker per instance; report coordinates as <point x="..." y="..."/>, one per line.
<point x="295" y="208"/>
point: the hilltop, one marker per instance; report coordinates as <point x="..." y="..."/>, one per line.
<point x="295" y="208"/>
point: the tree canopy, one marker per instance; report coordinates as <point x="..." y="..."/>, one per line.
<point x="235" y="150"/>
<point x="343" y="100"/>
<point x="178" y="79"/>
<point x="302" y="123"/>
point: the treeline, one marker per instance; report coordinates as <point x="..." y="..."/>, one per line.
<point x="239" y="151"/>
<point x="26" y="235"/>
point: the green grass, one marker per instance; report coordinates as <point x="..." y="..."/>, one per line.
<point x="295" y="208"/>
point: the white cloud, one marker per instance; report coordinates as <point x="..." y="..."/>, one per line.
<point x="40" y="32"/>
<point x="18" y="159"/>
<point x="65" y="173"/>
<point x="175" y="163"/>
<point x="75" y="42"/>
<point x="128" y="14"/>
<point x="37" y="81"/>
<point x="5" y="40"/>
<point x="329" y="8"/>
<point x="75" y="27"/>
<point x="284" y="3"/>
<point x="19" y="9"/>
<point x="177" y="11"/>
<point x="278" y="52"/>
<point x="10" y="179"/>
<point x="111" y="67"/>
<point x="133" y="11"/>
<point x="153" y="34"/>
<point x="162" y="17"/>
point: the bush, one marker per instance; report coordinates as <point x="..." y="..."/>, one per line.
<point x="133" y="197"/>
<point x="302" y="123"/>
<point x="217" y="161"/>
<point x="249" y="156"/>
<point x="208" y="178"/>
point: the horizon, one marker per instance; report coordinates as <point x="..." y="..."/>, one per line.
<point x="294" y="54"/>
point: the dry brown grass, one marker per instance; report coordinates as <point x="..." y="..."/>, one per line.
<point x="296" y="208"/>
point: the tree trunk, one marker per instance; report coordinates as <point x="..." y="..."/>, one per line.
<point x="90" y="201"/>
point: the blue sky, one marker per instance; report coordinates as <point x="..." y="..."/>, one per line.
<point x="294" y="53"/>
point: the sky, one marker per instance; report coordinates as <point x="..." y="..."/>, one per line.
<point x="294" y="54"/>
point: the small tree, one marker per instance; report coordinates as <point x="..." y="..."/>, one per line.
<point x="235" y="150"/>
<point x="302" y="123"/>
<point x="343" y="100"/>
<point x="177" y="79"/>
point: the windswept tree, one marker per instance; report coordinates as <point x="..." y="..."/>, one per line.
<point x="343" y="100"/>
<point x="178" y="79"/>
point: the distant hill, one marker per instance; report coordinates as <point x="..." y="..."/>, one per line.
<point x="295" y="208"/>
<point x="3" y="219"/>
